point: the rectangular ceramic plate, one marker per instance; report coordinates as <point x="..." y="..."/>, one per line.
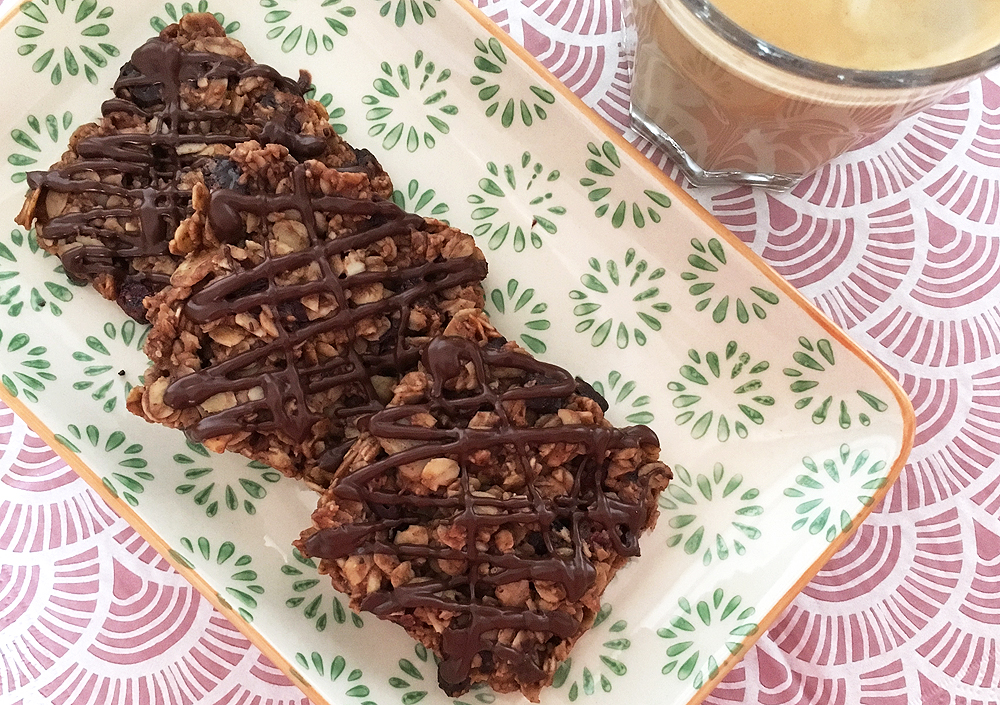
<point x="782" y="433"/>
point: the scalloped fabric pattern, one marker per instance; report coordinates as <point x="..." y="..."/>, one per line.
<point x="896" y="242"/>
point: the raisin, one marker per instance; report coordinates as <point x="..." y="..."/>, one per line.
<point x="488" y="665"/>
<point x="387" y="343"/>
<point x="293" y="311"/>
<point x="544" y="405"/>
<point x="227" y="175"/>
<point x="585" y="390"/>
<point x="145" y="95"/>
<point x="131" y="294"/>
<point x="453" y="689"/>
<point x="334" y="455"/>
<point x="537" y="542"/>
<point x="496" y="343"/>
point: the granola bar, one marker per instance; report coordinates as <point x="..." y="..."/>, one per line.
<point x="110" y="207"/>
<point x="486" y="509"/>
<point x="304" y="316"/>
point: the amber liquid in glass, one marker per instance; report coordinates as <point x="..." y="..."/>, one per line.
<point x="729" y="111"/>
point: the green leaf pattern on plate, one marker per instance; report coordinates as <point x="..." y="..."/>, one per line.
<point x="16" y="291"/>
<point x="47" y="23"/>
<point x="422" y="201"/>
<point x="242" y="586"/>
<point x="809" y="364"/>
<point x="515" y="204"/>
<point x="610" y="287"/>
<point x="710" y="285"/>
<point x="490" y="60"/>
<point x="814" y="510"/>
<point x="222" y="490"/>
<point x="479" y="693"/>
<point x="133" y="474"/>
<point x="333" y="670"/>
<point x="100" y="377"/>
<point x="29" y="143"/>
<point x="603" y="164"/>
<point x="289" y="23"/>
<point x="422" y="85"/>
<point x="415" y="686"/>
<point x="703" y="627"/>
<point x="311" y="594"/>
<point x="520" y="311"/>
<point x="401" y="10"/>
<point x="717" y="531"/>
<point x="175" y="12"/>
<point x="596" y="677"/>
<point x="411" y="682"/>
<point x="28" y="367"/>
<point x="735" y="375"/>
<point x="622" y="399"/>
<point x="335" y="114"/>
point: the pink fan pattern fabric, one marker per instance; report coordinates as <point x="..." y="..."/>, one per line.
<point x="897" y="242"/>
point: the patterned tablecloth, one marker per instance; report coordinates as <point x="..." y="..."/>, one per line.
<point x="897" y="242"/>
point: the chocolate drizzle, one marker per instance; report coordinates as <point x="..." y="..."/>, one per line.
<point x="288" y="383"/>
<point x="151" y="164"/>
<point x="588" y="508"/>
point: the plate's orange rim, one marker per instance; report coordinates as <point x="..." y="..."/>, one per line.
<point x="10" y="14"/>
<point x="125" y="510"/>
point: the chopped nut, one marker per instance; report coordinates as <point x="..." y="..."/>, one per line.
<point x="268" y="328"/>
<point x="424" y="420"/>
<point x="461" y="245"/>
<point x="374" y="580"/>
<point x="452" y="536"/>
<point x="355" y="569"/>
<point x="514" y="594"/>
<point x="247" y="322"/>
<point x="569" y="417"/>
<point x="411" y="473"/>
<point x="484" y="419"/>
<point x="152" y="402"/>
<point x="55" y="203"/>
<point x="193" y="269"/>
<point x="439" y="472"/>
<point x="218" y="402"/>
<point x="417" y="320"/>
<point x="228" y="336"/>
<point x="415" y="535"/>
<point x="393" y="445"/>
<point x="550" y="591"/>
<point x="410" y="389"/>
<point x="290" y="236"/>
<point x="354" y="263"/>
<point x="190" y="148"/>
<point x="402" y="574"/>
<point x="450" y="567"/>
<point x="369" y="294"/>
<point x="383" y="387"/>
<point x="386" y="562"/>
<point x="504" y="541"/>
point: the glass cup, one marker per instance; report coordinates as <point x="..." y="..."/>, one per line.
<point x="731" y="108"/>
